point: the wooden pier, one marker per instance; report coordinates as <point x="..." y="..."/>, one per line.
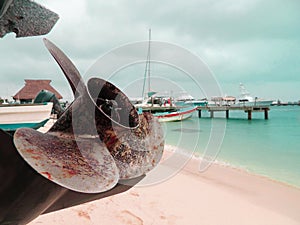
<point x="227" y="109"/>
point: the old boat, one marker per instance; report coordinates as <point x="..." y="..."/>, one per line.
<point x="31" y="115"/>
<point x="14" y="116"/>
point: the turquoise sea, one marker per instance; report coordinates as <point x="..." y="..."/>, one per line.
<point x="266" y="147"/>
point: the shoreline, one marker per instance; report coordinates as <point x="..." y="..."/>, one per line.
<point x="224" y="164"/>
<point x="197" y="156"/>
<point x="220" y="195"/>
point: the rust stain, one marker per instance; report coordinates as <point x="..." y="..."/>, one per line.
<point x="49" y="176"/>
<point x="71" y="172"/>
<point x="36" y="157"/>
<point x="31" y="151"/>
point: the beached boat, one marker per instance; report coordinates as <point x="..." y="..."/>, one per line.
<point x="246" y="99"/>
<point x="14" y="116"/>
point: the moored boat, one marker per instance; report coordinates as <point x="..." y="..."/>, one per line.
<point x="246" y="99"/>
<point x="180" y="114"/>
<point x="164" y="108"/>
<point x="186" y="99"/>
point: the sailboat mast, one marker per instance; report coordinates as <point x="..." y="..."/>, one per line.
<point x="147" y="70"/>
<point x="149" y="54"/>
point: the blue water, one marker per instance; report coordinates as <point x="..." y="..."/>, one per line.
<point x="266" y="147"/>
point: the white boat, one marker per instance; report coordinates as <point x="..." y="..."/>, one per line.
<point x="180" y="114"/>
<point x="197" y="102"/>
<point x="14" y="116"/>
<point x="157" y="102"/>
<point x="187" y="99"/>
<point x="164" y="108"/>
<point x="246" y="99"/>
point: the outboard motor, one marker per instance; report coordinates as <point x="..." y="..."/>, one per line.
<point x="48" y="96"/>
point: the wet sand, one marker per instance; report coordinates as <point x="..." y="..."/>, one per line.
<point x="220" y="195"/>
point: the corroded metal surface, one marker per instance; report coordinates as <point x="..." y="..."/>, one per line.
<point x="110" y="102"/>
<point x="25" y="194"/>
<point x="98" y="141"/>
<point x="70" y="71"/>
<point x="135" y="141"/>
<point x="60" y="160"/>
<point x="136" y="151"/>
<point x="26" y="18"/>
<point x="101" y="129"/>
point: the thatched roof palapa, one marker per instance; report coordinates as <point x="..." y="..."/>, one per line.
<point x="32" y="88"/>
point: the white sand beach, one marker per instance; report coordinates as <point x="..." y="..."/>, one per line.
<point x="221" y="195"/>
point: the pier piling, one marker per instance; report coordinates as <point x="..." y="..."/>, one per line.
<point x="266" y="114"/>
<point x="227" y="114"/>
<point x="249" y="115"/>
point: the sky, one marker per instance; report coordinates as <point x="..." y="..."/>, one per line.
<point x="254" y="42"/>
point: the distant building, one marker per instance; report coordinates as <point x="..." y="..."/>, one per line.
<point x="32" y="88"/>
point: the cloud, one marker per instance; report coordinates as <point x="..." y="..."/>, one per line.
<point x="250" y="40"/>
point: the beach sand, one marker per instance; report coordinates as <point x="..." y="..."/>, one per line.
<point x="220" y="195"/>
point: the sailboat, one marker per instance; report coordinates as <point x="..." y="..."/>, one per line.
<point x="161" y="106"/>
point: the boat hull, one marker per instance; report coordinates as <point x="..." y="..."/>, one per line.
<point x="33" y="116"/>
<point x="175" y="116"/>
<point x="262" y="103"/>
<point x="191" y="103"/>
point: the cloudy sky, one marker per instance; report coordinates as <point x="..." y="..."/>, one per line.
<point x="256" y="42"/>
